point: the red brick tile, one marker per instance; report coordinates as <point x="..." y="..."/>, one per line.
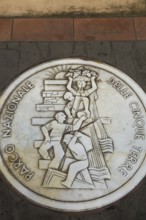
<point x="5" y="29"/>
<point x="44" y="29"/>
<point x="140" y="28"/>
<point x="90" y="29"/>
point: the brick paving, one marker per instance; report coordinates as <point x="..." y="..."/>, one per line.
<point x="42" y="29"/>
<point x="5" y="29"/>
<point x="91" y="29"/>
<point x="140" y="28"/>
<point x="73" y="29"/>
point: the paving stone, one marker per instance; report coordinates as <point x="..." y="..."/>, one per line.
<point x="20" y="213"/>
<point x="5" y="29"/>
<point x="42" y="29"/>
<point x="79" y="49"/>
<point x="43" y="49"/>
<point x="141" y="79"/>
<point x="61" y="50"/>
<point x="13" y="45"/>
<point x="101" y="51"/>
<point x="140" y="28"/>
<point x="125" y="62"/>
<point x="124" y="45"/>
<point x="6" y="201"/>
<point x="140" y="54"/>
<point x="8" y="66"/>
<point x="91" y="29"/>
<point x="3" y="45"/>
<point x="68" y="29"/>
<point x="29" y="56"/>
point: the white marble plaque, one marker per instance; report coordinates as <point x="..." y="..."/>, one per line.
<point x="73" y="134"/>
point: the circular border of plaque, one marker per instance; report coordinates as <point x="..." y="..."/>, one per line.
<point x="76" y="195"/>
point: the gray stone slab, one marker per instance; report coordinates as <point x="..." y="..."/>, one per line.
<point x="8" y="66"/>
<point x="14" y="45"/>
<point x="29" y="56"/>
<point x="123" y="46"/>
<point x="60" y="49"/>
<point x="140" y="55"/>
<point x="79" y="49"/>
<point x="3" y="45"/>
<point x="101" y="51"/>
<point x="43" y="49"/>
<point x="125" y="62"/>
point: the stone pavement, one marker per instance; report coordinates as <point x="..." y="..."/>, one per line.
<point x="73" y="29"/>
<point x="15" y="57"/>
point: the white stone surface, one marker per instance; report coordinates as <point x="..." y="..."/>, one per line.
<point x="73" y="134"/>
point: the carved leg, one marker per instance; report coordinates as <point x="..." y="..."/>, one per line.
<point x="58" y="155"/>
<point x="44" y="150"/>
<point x="74" y="169"/>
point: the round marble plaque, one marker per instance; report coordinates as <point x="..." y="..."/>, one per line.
<point x="73" y="134"/>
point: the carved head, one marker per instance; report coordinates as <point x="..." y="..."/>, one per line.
<point x="81" y="84"/>
<point x="68" y="96"/>
<point x="60" y="117"/>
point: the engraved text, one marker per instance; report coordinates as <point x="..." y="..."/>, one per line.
<point x="119" y="87"/>
<point x="11" y="108"/>
<point x="18" y="163"/>
<point x="131" y="160"/>
<point x="139" y="122"/>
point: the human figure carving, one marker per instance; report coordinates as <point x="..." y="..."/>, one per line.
<point x="68" y="108"/>
<point x="53" y="132"/>
<point x="79" y="144"/>
<point x="81" y="94"/>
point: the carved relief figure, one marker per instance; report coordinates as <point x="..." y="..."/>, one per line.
<point x="81" y="94"/>
<point x="79" y="144"/>
<point x="53" y="133"/>
<point x="70" y="105"/>
<point x="75" y="139"/>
